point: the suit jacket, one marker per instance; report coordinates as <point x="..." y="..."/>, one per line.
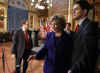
<point x="71" y="34"/>
<point x="85" y="48"/>
<point x="18" y="47"/>
<point x="57" y="53"/>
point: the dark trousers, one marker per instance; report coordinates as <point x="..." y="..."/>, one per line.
<point x="25" y="56"/>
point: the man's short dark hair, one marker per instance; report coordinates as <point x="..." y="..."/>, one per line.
<point x="84" y="5"/>
<point x="68" y="24"/>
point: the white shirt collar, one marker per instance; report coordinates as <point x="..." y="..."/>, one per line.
<point x="81" y="21"/>
<point x="67" y="31"/>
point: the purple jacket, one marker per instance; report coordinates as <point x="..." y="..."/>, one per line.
<point x="57" y="52"/>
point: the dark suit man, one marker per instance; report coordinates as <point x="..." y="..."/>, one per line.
<point x="22" y="45"/>
<point x="85" y="40"/>
<point x="68" y="30"/>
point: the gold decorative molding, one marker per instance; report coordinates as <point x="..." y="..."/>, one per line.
<point x="4" y="6"/>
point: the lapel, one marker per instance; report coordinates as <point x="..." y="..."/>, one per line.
<point x="51" y="39"/>
<point x="29" y="34"/>
<point x="22" y="33"/>
<point x="83" y="27"/>
<point x="54" y="41"/>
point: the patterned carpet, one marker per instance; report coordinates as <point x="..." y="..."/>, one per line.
<point x="35" y="66"/>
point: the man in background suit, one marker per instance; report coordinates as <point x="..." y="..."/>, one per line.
<point x="68" y="29"/>
<point x="22" y="46"/>
<point x="85" y="40"/>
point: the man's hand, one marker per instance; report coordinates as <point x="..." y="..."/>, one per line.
<point x="13" y="56"/>
<point x="31" y="57"/>
<point x="69" y="71"/>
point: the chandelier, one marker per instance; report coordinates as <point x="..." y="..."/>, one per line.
<point x="41" y="4"/>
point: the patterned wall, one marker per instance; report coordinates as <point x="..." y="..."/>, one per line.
<point x="17" y="11"/>
<point x="17" y="3"/>
<point x="60" y="6"/>
<point x="15" y="15"/>
<point x="3" y="1"/>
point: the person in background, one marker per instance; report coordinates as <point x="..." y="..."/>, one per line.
<point x="22" y="46"/>
<point x="68" y="29"/>
<point x="85" y="40"/>
<point x="57" y="49"/>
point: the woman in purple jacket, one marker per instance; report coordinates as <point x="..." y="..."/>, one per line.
<point x="57" y="49"/>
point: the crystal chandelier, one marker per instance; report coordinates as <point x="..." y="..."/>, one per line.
<point x="41" y="4"/>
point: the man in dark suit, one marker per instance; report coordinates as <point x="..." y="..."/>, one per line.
<point x="68" y="29"/>
<point x="22" y="46"/>
<point x="85" y="40"/>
